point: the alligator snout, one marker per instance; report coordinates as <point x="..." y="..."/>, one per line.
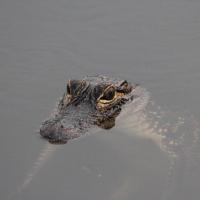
<point x="57" y="133"/>
<point x="53" y="133"/>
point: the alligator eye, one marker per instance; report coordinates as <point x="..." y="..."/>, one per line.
<point x="108" y="95"/>
<point x="107" y="98"/>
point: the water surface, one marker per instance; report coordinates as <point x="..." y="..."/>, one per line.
<point x="43" y="43"/>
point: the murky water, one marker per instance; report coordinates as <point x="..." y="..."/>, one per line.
<point x="151" y="42"/>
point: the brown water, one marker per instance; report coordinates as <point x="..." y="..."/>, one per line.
<point x="43" y="43"/>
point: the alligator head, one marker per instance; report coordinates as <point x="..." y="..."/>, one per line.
<point x="93" y="101"/>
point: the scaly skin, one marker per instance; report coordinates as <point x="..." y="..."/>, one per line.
<point x="93" y="101"/>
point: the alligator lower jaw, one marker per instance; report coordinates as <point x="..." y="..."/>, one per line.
<point x="58" y="142"/>
<point x="55" y="140"/>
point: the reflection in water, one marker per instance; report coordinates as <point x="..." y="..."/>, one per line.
<point x="46" y="153"/>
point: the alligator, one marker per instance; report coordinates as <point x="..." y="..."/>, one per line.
<point x="92" y="101"/>
<point x="100" y="101"/>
